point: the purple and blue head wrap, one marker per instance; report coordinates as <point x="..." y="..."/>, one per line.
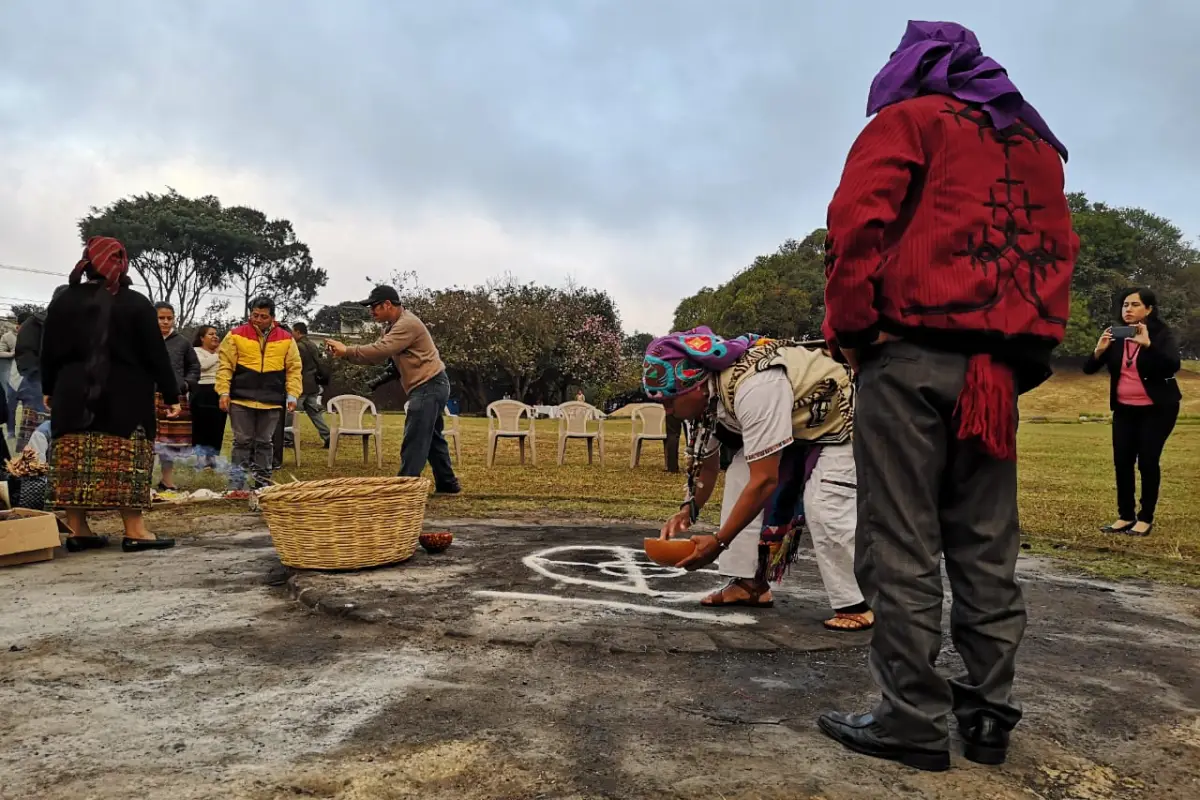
<point x="945" y="58"/>
<point x="680" y="362"/>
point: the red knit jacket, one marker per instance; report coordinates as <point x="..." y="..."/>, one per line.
<point x="948" y="231"/>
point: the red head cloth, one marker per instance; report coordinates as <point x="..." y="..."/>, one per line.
<point x="107" y="258"/>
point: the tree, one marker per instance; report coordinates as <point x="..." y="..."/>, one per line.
<point x="182" y="248"/>
<point x="1122" y="248"/>
<point x="21" y="308"/>
<point x="330" y="318"/>
<point x="779" y="295"/>
<point x="271" y="261"/>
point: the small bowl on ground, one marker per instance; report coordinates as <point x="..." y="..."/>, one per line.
<point x="668" y="552"/>
<point x="436" y="542"/>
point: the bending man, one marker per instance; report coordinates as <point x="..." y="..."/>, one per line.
<point x="787" y="413"/>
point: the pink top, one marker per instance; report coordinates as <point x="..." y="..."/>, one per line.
<point x="1130" y="391"/>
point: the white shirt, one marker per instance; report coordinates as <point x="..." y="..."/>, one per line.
<point x="762" y="414"/>
<point x="208" y="366"/>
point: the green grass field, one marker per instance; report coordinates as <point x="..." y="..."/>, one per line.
<point x="1066" y="479"/>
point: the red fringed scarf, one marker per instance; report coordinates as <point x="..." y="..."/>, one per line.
<point x="986" y="409"/>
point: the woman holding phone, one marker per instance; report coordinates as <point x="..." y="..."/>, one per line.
<point x="1142" y="358"/>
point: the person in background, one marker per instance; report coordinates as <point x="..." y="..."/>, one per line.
<point x="580" y="397"/>
<point x="5" y="454"/>
<point x="40" y="442"/>
<point x="282" y="438"/>
<point x="175" y="432"/>
<point x="1144" y="397"/>
<point x="406" y="341"/>
<point x="8" y="351"/>
<point x="208" y="420"/>
<point x="257" y="380"/>
<point x="27" y="355"/>
<point x="949" y="257"/>
<point x="316" y="376"/>
<point x="674" y="429"/>
<point x="102" y="359"/>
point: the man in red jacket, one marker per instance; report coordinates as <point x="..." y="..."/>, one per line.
<point x="948" y="264"/>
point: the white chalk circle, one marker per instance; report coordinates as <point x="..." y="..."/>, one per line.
<point x="624" y="570"/>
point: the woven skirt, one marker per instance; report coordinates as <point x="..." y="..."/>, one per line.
<point x="174" y="434"/>
<point x="93" y="471"/>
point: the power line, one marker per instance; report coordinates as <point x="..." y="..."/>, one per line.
<point x="62" y="275"/>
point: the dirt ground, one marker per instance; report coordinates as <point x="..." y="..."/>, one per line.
<point x="501" y="670"/>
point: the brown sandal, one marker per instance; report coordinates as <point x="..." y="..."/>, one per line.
<point x="761" y="599"/>
<point x="850" y="623"/>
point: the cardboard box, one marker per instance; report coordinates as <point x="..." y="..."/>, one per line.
<point x="27" y="536"/>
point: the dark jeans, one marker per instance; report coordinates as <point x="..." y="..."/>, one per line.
<point x="1139" y="434"/>
<point x="924" y="493"/>
<point x="423" y="439"/>
<point x="310" y="404"/>
<point x="253" y="431"/>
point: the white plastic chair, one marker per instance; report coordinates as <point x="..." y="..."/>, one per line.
<point x="452" y="430"/>
<point x="348" y="411"/>
<point x="289" y="427"/>
<point x="654" y="429"/>
<point x="573" y="421"/>
<point x="504" y="422"/>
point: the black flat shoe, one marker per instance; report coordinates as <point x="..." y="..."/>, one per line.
<point x="162" y="487"/>
<point x="138" y="545"/>
<point x="77" y="544"/>
<point x="1131" y="532"/>
<point x="862" y="734"/>
<point x="984" y="741"/>
<point x="1115" y="529"/>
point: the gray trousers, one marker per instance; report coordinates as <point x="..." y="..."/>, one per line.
<point x="253" y="431"/>
<point x="924" y="494"/>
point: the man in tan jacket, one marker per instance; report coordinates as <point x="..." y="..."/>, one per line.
<point x="406" y="341"/>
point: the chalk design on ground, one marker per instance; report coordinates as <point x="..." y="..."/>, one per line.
<point x="629" y="571"/>
<point x="616" y="605"/>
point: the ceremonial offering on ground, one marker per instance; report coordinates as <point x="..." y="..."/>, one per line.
<point x="345" y="523"/>
<point x="436" y="542"/>
<point x="668" y="552"/>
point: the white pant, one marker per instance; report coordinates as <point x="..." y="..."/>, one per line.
<point x="830" y="512"/>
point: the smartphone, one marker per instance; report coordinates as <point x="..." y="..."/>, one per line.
<point x="1123" y="331"/>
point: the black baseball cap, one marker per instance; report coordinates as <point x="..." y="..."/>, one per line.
<point x="381" y="294"/>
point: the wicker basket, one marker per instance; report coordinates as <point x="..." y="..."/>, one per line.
<point x="345" y="523"/>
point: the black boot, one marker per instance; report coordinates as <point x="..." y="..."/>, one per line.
<point x="985" y="741"/>
<point x="862" y="734"/>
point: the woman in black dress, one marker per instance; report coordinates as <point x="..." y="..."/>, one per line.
<point x="1144" y="397"/>
<point x="102" y="356"/>
<point x="208" y="420"/>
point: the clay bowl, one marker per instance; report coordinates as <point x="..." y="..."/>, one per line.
<point x="668" y="552"/>
<point x="435" y="542"/>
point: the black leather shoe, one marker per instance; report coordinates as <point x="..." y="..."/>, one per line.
<point x="75" y="544"/>
<point x="450" y="489"/>
<point x="138" y="545"/>
<point x="862" y="734"/>
<point x="984" y="741"/>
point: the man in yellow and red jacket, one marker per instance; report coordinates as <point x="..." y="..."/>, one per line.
<point x="259" y="375"/>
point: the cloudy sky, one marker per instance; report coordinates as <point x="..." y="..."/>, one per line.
<point x="646" y="147"/>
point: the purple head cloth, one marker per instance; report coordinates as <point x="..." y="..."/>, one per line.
<point x="679" y="362"/>
<point x="945" y="58"/>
